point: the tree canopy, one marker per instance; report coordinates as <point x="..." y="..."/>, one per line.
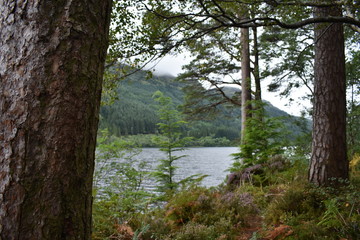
<point x="208" y="27"/>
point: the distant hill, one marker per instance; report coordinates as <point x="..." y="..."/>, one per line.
<point x="135" y="111"/>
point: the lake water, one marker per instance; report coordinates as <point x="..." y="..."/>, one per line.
<point x="212" y="161"/>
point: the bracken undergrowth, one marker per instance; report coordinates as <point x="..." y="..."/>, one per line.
<point x="277" y="204"/>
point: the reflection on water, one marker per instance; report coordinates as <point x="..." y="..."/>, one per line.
<point x="212" y="161"/>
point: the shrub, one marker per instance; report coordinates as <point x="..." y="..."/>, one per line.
<point x="355" y="167"/>
<point x="117" y="185"/>
<point x="316" y="212"/>
<point x="194" y="231"/>
<point x="263" y="139"/>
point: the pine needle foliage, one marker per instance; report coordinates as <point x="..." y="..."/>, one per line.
<point x="264" y="138"/>
<point x="170" y="141"/>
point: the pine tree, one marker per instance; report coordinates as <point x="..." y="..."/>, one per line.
<point x="170" y="141"/>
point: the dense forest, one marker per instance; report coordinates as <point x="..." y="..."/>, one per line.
<point x="135" y="111"/>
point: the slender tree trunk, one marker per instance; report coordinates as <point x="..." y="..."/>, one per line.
<point x="246" y="81"/>
<point x="51" y="67"/>
<point x="329" y="158"/>
<point x="258" y="105"/>
<point x="256" y="72"/>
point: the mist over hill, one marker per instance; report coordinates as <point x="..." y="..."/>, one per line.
<point x="135" y="111"/>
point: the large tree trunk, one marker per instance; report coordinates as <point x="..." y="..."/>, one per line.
<point x="245" y="81"/>
<point x="329" y="158"/>
<point x="51" y="67"/>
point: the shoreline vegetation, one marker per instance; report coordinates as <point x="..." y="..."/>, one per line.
<point x="271" y="201"/>
<point x="274" y="202"/>
<point x="146" y="141"/>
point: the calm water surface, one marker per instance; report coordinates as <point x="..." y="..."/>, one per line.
<point x="212" y="161"/>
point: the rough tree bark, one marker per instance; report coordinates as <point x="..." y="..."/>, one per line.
<point x="245" y="81"/>
<point x="51" y="67"/>
<point x="256" y="71"/>
<point x="329" y="158"/>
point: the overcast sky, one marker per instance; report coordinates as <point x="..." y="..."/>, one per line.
<point x="172" y="65"/>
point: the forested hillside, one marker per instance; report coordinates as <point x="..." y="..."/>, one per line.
<point x="135" y="111"/>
